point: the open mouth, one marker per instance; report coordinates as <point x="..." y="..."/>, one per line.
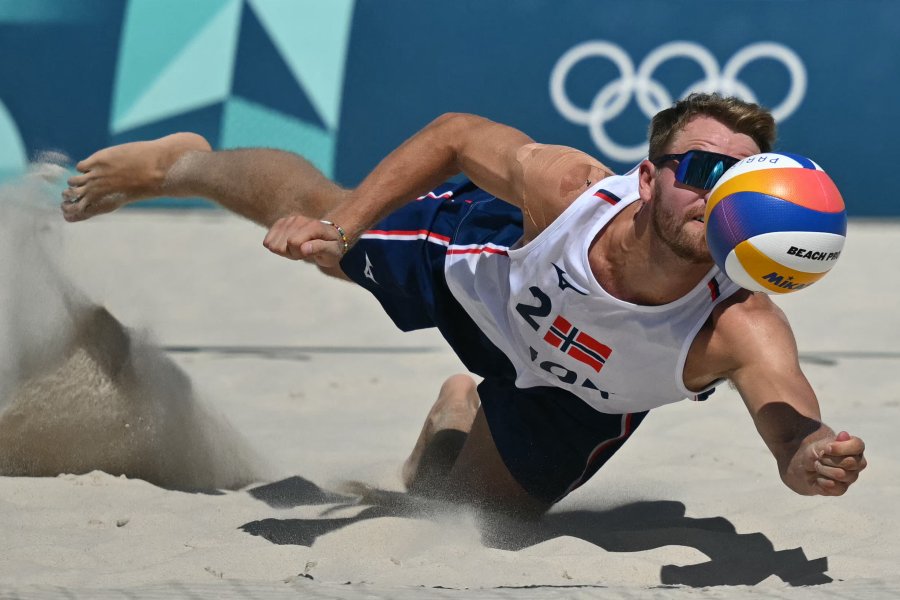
<point x="700" y="219"/>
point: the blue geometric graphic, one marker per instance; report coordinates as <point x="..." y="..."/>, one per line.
<point x="262" y="76"/>
<point x="206" y="121"/>
<point x="187" y="68"/>
<point x="347" y="81"/>
<point x="273" y="66"/>
<point x="312" y="36"/>
<point x="247" y="124"/>
<point x="43" y="11"/>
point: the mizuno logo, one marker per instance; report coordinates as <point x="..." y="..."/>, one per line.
<point x="368" y="270"/>
<point x="565" y="283"/>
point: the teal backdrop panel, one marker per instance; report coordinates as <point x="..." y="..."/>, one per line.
<point x="345" y="81"/>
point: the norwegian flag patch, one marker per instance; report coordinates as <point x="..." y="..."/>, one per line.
<point x="577" y="344"/>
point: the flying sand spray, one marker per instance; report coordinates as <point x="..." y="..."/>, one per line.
<point x="80" y="392"/>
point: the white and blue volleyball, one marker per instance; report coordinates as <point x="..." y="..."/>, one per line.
<point x="775" y="223"/>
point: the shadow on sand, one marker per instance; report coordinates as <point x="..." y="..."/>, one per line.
<point x="734" y="558"/>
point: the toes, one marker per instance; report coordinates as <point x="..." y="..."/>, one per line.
<point x="73" y="195"/>
<point x="88" y="163"/>
<point x="72" y="213"/>
<point x="78" y="180"/>
<point x="75" y="207"/>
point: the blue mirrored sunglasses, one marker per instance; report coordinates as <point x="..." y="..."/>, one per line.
<point x="698" y="168"/>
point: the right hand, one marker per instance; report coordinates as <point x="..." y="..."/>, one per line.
<point x="300" y="238"/>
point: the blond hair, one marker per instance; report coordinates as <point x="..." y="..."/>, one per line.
<point x="741" y="117"/>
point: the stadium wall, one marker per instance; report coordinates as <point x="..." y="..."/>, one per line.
<point x="345" y="81"/>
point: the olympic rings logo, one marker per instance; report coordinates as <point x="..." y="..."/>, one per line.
<point x="652" y="96"/>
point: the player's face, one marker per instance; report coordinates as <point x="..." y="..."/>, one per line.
<point x="677" y="209"/>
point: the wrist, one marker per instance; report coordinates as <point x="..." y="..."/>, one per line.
<point x="351" y="224"/>
<point x="343" y="240"/>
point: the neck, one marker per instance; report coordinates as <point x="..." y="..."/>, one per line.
<point x="633" y="264"/>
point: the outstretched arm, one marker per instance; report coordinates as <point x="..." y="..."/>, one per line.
<point x="811" y="458"/>
<point x="542" y="180"/>
<point x="497" y="158"/>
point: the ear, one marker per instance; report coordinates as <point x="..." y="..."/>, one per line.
<point x="646" y="177"/>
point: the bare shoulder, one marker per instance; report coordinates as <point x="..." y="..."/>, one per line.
<point x="746" y="310"/>
<point x="749" y="327"/>
<point x="552" y="178"/>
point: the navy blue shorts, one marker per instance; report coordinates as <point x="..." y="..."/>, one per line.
<point x="549" y="439"/>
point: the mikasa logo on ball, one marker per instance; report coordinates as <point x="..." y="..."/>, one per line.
<point x="813" y="254"/>
<point x="785" y="283"/>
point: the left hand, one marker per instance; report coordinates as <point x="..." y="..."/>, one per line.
<point x="300" y="238"/>
<point x="832" y="464"/>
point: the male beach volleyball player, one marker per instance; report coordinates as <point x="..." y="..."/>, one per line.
<point x="583" y="299"/>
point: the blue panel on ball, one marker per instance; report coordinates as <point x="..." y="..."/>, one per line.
<point x="743" y="215"/>
<point x="801" y="160"/>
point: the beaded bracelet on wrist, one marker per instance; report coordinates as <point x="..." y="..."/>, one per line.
<point x="345" y="244"/>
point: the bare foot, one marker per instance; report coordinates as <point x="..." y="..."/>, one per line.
<point x="447" y="424"/>
<point x="115" y="176"/>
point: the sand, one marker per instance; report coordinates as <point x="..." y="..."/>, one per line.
<point x="172" y="347"/>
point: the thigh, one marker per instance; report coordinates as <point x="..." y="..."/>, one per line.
<point x="550" y="441"/>
<point x="480" y="477"/>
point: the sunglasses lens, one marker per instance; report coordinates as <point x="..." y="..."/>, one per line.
<point x="702" y="169"/>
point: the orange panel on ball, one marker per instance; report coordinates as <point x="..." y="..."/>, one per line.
<point x="804" y="187"/>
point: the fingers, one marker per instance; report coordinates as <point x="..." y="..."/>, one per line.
<point x="845" y="445"/>
<point x="276" y="239"/>
<point x="850" y="463"/>
<point x="839" y="466"/>
<point x="836" y="473"/>
<point x="322" y="252"/>
<point x="829" y="487"/>
<point x="300" y="238"/>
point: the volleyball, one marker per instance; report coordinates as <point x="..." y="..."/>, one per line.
<point x="775" y="223"/>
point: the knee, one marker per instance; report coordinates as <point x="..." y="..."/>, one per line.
<point x="461" y="381"/>
<point x="459" y="387"/>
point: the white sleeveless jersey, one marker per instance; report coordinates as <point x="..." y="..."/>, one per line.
<point x="542" y="306"/>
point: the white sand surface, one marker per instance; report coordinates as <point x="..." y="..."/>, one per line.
<point x="277" y="374"/>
